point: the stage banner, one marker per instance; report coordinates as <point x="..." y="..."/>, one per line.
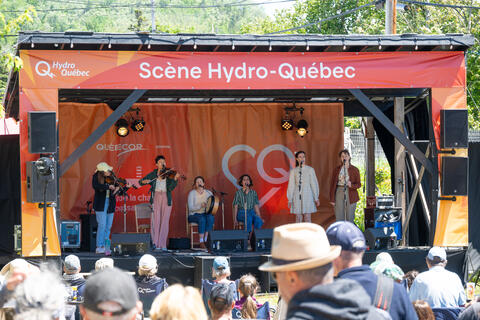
<point x="241" y="70"/>
<point x="217" y="141"/>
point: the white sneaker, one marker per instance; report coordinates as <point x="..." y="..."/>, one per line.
<point x="100" y="250"/>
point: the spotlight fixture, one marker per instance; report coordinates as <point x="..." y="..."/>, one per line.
<point x="287" y="123"/>
<point x="302" y="126"/>
<point x="138" y="125"/>
<point x="122" y="127"/>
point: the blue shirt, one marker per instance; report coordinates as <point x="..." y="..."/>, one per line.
<point x="439" y="287"/>
<point x="400" y="308"/>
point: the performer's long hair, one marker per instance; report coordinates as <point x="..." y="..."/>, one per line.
<point x="296" y="156"/>
<point x="101" y="177"/>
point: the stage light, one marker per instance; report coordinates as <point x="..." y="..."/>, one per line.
<point x="138" y="125"/>
<point x="287" y="123"/>
<point x="302" y="126"/>
<point x="122" y="127"/>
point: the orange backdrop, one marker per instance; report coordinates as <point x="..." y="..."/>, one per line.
<point x="219" y="142"/>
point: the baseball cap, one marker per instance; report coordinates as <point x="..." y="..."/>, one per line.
<point x="347" y="235"/>
<point x="72" y="263"/>
<point x="147" y="261"/>
<point x="220" y="263"/>
<point x="222" y="291"/>
<point x="103" y="166"/>
<point x="110" y="285"/>
<point x="437" y="252"/>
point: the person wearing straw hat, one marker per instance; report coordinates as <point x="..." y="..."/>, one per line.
<point x="302" y="265"/>
<point x="104" y="205"/>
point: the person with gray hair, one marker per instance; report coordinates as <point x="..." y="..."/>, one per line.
<point x="103" y="263"/>
<point x="437" y="286"/>
<point x="110" y="294"/>
<point x="71" y="275"/>
<point x="40" y="296"/>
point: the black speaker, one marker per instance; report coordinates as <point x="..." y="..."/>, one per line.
<point x="267" y="281"/>
<point x="89" y="232"/>
<point x="381" y="238"/>
<point x="228" y="240"/>
<point x="130" y="243"/>
<point x="36" y="185"/>
<point x="178" y="243"/>
<point x="42" y="132"/>
<point x="262" y="240"/>
<point x="454" y="128"/>
<point x="454" y="176"/>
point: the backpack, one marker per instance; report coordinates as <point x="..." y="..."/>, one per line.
<point x="382" y="300"/>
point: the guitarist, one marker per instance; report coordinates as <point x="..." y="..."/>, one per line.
<point x="161" y="188"/>
<point x="197" y="203"/>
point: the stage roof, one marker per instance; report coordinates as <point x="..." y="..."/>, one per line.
<point x="228" y="43"/>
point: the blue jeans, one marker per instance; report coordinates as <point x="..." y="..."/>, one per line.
<point x="104" y="221"/>
<point x="205" y="221"/>
<point x="252" y="218"/>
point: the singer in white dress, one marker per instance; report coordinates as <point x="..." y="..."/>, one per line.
<point x="303" y="190"/>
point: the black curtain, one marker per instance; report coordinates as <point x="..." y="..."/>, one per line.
<point x="9" y="190"/>
<point x="417" y="128"/>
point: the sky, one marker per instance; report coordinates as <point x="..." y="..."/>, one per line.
<point x="271" y="8"/>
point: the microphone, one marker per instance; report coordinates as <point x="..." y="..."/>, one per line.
<point x="344" y="161"/>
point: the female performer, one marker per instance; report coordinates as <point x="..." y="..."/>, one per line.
<point x="161" y="188"/>
<point x="245" y="203"/>
<point x="104" y="206"/>
<point x="345" y="176"/>
<point x="303" y="191"/>
<point x="197" y="203"/>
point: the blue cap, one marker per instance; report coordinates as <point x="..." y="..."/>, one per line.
<point x="220" y="263"/>
<point x="347" y="235"/>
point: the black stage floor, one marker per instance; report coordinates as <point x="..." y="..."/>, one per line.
<point x="189" y="267"/>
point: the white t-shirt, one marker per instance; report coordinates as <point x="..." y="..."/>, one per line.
<point x="195" y="200"/>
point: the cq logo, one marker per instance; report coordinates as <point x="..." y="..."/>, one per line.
<point x="260" y="166"/>
<point x="42" y="68"/>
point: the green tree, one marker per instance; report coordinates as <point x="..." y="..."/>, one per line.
<point x="8" y="59"/>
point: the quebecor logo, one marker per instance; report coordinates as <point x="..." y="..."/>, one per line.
<point x="42" y="68"/>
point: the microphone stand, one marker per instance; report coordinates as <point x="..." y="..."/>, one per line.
<point x="300" y="189"/>
<point x="345" y="190"/>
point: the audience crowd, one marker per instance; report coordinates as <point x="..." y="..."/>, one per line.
<point x="320" y="274"/>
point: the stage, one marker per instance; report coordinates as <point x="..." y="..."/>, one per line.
<point x="189" y="267"/>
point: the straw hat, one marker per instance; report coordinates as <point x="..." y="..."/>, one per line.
<point x="300" y="246"/>
<point x="103" y="166"/>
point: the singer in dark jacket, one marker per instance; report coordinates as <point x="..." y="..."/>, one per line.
<point x="345" y="176"/>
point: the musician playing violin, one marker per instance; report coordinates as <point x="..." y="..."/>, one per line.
<point x="104" y="205"/>
<point x="161" y="184"/>
<point x="197" y="209"/>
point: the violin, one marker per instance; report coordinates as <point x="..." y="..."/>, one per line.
<point x="170" y="174"/>
<point x="117" y="182"/>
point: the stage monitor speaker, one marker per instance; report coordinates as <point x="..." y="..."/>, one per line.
<point x="70" y="234"/>
<point x="228" y="240"/>
<point x="89" y="232"/>
<point x="130" y="243"/>
<point x="35" y="185"/>
<point x="203" y="269"/>
<point x="381" y="238"/>
<point x="454" y="176"/>
<point x="454" y="128"/>
<point x="267" y="281"/>
<point x="42" y="132"/>
<point x="262" y="238"/>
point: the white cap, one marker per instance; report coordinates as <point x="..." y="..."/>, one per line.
<point x="437" y="252"/>
<point x="147" y="261"/>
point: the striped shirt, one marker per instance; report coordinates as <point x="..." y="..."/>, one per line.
<point x="245" y="200"/>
